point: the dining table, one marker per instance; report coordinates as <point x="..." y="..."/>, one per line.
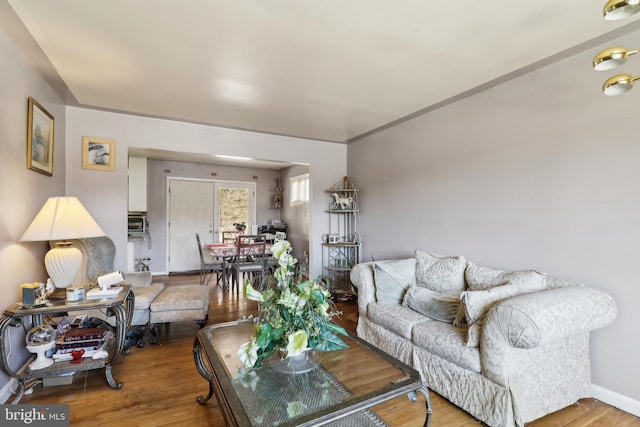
<point x="226" y="250"/>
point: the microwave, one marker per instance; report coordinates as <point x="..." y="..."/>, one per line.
<point x="137" y="223"/>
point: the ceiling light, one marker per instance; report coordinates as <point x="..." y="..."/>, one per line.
<point x="619" y="84"/>
<point x="616" y="56"/>
<point x="611" y="58"/>
<point x="615" y="10"/>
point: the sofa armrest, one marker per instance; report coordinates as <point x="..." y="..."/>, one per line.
<point x="363" y="279"/>
<point x="531" y="320"/>
<point x="527" y="320"/>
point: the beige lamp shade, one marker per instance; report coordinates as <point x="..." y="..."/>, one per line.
<point x="62" y="218"/>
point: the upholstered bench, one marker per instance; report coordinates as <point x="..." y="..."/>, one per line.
<point x="180" y="303"/>
<point x="145" y="292"/>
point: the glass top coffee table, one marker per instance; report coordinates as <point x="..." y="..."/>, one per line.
<point x="334" y="388"/>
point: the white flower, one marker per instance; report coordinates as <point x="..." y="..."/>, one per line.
<point x="297" y="343"/>
<point x="280" y="248"/>
<point x="248" y="353"/>
<point x="288" y="299"/>
<point x="251" y="293"/>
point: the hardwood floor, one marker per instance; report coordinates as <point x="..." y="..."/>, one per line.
<point x="161" y="385"/>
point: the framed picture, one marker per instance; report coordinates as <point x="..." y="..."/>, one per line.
<point x="39" y="139"/>
<point x="98" y="153"/>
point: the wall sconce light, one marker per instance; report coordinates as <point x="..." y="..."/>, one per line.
<point x="616" y="56"/>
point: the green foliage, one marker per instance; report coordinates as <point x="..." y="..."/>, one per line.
<point x="292" y="316"/>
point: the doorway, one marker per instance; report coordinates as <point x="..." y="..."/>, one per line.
<point x="205" y="207"/>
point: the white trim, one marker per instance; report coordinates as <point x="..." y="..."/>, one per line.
<point x="617" y="400"/>
<point x="6" y="391"/>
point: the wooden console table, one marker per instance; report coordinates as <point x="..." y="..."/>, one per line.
<point x="120" y="306"/>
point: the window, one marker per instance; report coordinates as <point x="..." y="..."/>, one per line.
<point x="299" y="190"/>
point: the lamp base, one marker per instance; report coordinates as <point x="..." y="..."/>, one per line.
<point x="63" y="263"/>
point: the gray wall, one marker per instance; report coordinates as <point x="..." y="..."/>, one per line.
<point x="540" y="172"/>
<point x="298" y="218"/>
<point x="105" y="192"/>
<point x="23" y="191"/>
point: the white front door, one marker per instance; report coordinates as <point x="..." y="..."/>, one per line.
<point x="190" y="211"/>
<point x="207" y="208"/>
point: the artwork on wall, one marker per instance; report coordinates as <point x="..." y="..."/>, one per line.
<point x="39" y="139"/>
<point x="98" y="153"/>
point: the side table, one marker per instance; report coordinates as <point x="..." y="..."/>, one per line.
<point x="120" y="306"/>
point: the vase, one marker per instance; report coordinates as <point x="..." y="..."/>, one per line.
<point x="301" y="363"/>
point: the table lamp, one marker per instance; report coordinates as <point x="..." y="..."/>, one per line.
<point x="62" y="218"/>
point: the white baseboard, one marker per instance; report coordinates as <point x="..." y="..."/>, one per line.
<point x="5" y="392"/>
<point x="618" y="400"/>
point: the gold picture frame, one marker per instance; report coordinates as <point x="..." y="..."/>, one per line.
<point x="39" y="138"/>
<point x="98" y="153"/>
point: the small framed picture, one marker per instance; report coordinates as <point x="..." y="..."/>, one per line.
<point x="98" y="153"/>
<point x="39" y="139"/>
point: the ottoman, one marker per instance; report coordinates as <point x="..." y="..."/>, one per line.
<point x="179" y="303"/>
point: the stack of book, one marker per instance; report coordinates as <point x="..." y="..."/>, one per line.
<point x="88" y="339"/>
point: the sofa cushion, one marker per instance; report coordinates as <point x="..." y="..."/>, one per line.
<point x="144" y="295"/>
<point x="448" y="342"/>
<point x="187" y="297"/>
<point x="481" y="278"/>
<point x="394" y="318"/>
<point x="440" y="273"/>
<point x="393" y="278"/>
<point x="432" y="304"/>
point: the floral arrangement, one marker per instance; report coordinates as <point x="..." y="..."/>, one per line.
<point x="293" y="317"/>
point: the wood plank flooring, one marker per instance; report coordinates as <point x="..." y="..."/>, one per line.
<point x="161" y="385"/>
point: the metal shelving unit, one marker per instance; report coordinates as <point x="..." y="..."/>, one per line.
<point x="341" y="246"/>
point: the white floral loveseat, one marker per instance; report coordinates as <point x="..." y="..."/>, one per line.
<point x="508" y="347"/>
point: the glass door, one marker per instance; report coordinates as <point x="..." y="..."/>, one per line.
<point x="234" y="209"/>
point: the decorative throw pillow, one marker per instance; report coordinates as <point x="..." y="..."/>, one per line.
<point x="393" y="278"/>
<point x="460" y="319"/>
<point x="481" y="278"/>
<point x="431" y="304"/>
<point x="477" y="303"/>
<point x="440" y="273"/>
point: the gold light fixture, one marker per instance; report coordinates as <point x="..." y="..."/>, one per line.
<point x="619" y="84"/>
<point x="616" y="56"/>
<point x="616" y="10"/>
<point x="62" y="218"/>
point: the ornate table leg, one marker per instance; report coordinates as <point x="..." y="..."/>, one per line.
<point x="5" y="323"/>
<point x="19" y="391"/>
<point x="203" y="370"/>
<point x="413" y="396"/>
<point x="123" y="314"/>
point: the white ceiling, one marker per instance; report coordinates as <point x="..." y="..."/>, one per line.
<point x="326" y="69"/>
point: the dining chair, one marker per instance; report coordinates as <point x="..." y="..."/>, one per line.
<point x="208" y="267"/>
<point x="251" y="259"/>
<point x="230" y="236"/>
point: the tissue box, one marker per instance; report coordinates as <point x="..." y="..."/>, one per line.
<point x="33" y="293"/>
